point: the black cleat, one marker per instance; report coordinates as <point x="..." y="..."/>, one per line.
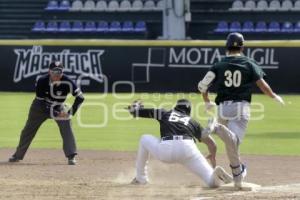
<point x="72" y="161"/>
<point x="13" y="159"/>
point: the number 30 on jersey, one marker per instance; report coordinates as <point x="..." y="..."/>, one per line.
<point x="233" y="78"/>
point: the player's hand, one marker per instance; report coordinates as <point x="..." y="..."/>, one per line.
<point x="137" y="104"/>
<point x="279" y="99"/>
<point x="209" y="105"/>
<point x="212" y="160"/>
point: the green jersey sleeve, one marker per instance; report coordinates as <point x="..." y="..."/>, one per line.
<point x="257" y="72"/>
<point x="214" y="70"/>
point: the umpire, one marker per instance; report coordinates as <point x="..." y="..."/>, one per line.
<point x="51" y="92"/>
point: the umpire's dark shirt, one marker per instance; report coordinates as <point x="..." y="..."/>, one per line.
<point x="172" y="122"/>
<point x="54" y="94"/>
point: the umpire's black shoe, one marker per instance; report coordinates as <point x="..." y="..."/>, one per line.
<point x="13" y="159"/>
<point x="72" y="160"/>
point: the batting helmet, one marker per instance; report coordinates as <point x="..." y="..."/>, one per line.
<point x="235" y="41"/>
<point x="184" y="106"/>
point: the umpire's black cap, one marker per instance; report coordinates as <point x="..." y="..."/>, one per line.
<point x="56" y="67"/>
<point x="235" y="41"/>
<point x="183" y="105"/>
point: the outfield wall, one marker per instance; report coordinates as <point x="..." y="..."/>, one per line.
<point x="142" y="66"/>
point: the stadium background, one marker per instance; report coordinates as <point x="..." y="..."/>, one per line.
<point x="116" y="46"/>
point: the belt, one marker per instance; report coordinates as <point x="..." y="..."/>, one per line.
<point x="233" y="101"/>
<point x="177" y="137"/>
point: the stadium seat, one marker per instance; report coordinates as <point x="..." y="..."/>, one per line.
<point x="77" y="26"/>
<point x="237" y="5"/>
<point x="235" y="26"/>
<point x="286" y="5"/>
<point x="262" y="5"/>
<point x="222" y="27"/>
<point x="149" y="5"/>
<point x="261" y="27"/>
<point x="102" y="26"/>
<point x="248" y="27"/>
<point x="297" y="27"/>
<point x="89" y="5"/>
<point x="160" y="5"/>
<point x="287" y="27"/>
<point x="125" y="5"/>
<point x="101" y="6"/>
<point x="64" y="5"/>
<point x="274" y="5"/>
<point x="77" y="5"/>
<point x="137" y="5"/>
<point x="296" y="5"/>
<point x="39" y="26"/>
<point x="113" y="5"/>
<point x="52" y="5"/>
<point x="140" y="27"/>
<point x="64" y="26"/>
<point x="127" y="27"/>
<point x="52" y="26"/>
<point x="115" y="27"/>
<point x="274" y="27"/>
<point x="250" y="5"/>
<point x="90" y="26"/>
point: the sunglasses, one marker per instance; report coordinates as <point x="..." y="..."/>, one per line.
<point x="56" y="72"/>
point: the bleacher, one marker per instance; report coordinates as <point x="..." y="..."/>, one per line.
<point x="138" y="19"/>
<point x="256" y="19"/>
<point x="142" y="19"/>
<point x="17" y="17"/>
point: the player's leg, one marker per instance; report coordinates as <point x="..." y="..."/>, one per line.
<point x="238" y="170"/>
<point x="35" y="118"/>
<point x="231" y="140"/>
<point x="149" y="145"/>
<point x="197" y="163"/>
<point x="69" y="144"/>
<point x="236" y="117"/>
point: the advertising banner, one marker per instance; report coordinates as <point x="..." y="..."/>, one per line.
<point x="138" y="68"/>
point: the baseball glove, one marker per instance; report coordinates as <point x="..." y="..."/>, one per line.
<point x="137" y="104"/>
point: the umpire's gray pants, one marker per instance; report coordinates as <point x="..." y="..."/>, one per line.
<point x="37" y="115"/>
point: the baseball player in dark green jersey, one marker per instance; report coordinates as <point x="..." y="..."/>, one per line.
<point x="233" y="77"/>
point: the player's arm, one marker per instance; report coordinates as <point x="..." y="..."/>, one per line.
<point x="77" y="93"/>
<point x="205" y="96"/>
<point x="77" y="102"/>
<point x="266" y="89"/>
<point x="203" y="86"/>
<point x="146" y="113"/>
<point x="212" y="149"/>
<point x="136" y="109"/>
<point x="258" y="78"/>
<point x="208" y="103"/>
<point x="39" y="91"/>
<point x="209" y="141"/>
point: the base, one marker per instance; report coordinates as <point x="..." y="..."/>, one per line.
<point x="245" y="187"/>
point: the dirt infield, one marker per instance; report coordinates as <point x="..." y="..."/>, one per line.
<point x="105" y="175"/>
